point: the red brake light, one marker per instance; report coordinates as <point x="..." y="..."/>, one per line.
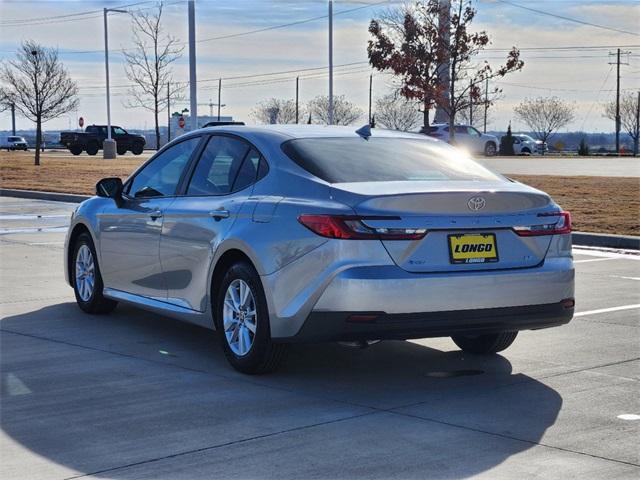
<point x="560" y="227"/>
<point x="347" y="227"/>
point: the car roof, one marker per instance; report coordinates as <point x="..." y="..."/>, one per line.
<point x="289" y="132"/>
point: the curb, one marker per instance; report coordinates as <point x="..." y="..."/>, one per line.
<point x="587" y="239"/>
<point x="51" y="196"/>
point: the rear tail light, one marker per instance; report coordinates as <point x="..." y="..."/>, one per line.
<point x="347" y="227"/>
<point x="558" y="223"/>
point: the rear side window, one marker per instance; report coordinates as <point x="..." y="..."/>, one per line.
<point x="345" y="160"/>
<point x="222" y="168"/>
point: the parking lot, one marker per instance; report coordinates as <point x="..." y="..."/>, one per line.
<point x="133" y="395"/>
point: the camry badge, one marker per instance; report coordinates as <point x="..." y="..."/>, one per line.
<point x="476" y="203"/>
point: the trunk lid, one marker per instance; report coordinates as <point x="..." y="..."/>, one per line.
<point x="487" y="210"/>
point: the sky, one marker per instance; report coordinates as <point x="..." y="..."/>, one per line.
<point x="580" y="74"/>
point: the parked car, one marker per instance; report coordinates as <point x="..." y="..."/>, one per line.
<point x="468" y="137"/>
<point x="282" y="234"/>
<point x="13" y="142"/>
<point x="93" y="137"/>
<point x="525" y="145"/>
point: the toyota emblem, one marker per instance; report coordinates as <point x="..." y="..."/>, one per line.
<point x="476" y="203"/>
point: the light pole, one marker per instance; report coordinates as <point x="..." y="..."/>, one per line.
<point x="192" y="65"/>
<point x="330" y="62"/>
<point x="109" y="145"/>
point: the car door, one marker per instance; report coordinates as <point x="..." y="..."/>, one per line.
<point x="197" y="221"/>
<point x="120" y="136"/>
<point x="130" y="233"/>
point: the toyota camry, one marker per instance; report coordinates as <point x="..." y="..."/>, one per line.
<point x="283" y="234"/>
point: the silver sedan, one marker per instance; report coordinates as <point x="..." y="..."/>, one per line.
<point x="274" y="235"/>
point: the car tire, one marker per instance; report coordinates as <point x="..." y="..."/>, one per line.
<point x="250" y="352"/>
<point x="75" y="149"/>
<point x="525" y="151"/>
<point x="92" y="148"/>
<point x="121" y="149"/>
<point x="84" y="267"/>
<point x="490" y="149"/>
<point x="137" y="148"/>
<point x="485" y="344"/>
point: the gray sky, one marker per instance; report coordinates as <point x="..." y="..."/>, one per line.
<point x="580" y="75"/>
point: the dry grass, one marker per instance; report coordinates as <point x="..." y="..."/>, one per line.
<point x="598" y="204"/>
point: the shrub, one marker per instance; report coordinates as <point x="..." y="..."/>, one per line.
<point x="583" y="149"/>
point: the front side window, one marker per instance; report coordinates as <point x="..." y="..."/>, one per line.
<point x="118" y="131"/>
<point x="160" y="177"/>
<point x="473" y="131"/>
<point x="343" y="160"/>
<point x="223" y="168"/>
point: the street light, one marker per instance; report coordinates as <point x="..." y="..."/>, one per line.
<point x="109" y="145"/>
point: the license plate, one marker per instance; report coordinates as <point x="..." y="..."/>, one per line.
<point x="473" y="248"/>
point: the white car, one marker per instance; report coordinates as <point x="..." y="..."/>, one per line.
<point x="525" y="145"/>
<point x="468" y="137"/>
<point x="13" y="142"/>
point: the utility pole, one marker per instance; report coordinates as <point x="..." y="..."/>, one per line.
<point x="168" y="113"/>
<point x="330" y="62"/>
<point x="109" y="145"/>
<point x="617" y="63"/>
<point x="219" y="96"/>
<point x="370" y="90"/>
<point x="470" y="103"/>
<point x="297" y="98"/>
<point x="13" y="119"/>
<point x="192" y="66"/>
<point x="486" y="103"/>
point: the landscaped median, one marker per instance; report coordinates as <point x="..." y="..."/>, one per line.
<point x="598" y="204"/>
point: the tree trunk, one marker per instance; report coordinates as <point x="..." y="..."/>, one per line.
<point x="155" y="116"/>
<point x="38" y="140"/>
<point x="425" y="116"/>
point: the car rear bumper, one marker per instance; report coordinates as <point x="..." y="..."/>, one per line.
<point x="349" y="326"/>
<point x="409" y="305"/>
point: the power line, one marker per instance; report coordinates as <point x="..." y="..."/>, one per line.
<point x="569" y="19"/>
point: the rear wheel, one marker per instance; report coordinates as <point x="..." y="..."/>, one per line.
<point x="87" y="281"/>
<point x="490" y="149"/>
<point x="485" y="344"/>
<point x="75" y="149"/>
<point x="92" y="148"/>
<point x="243" y="322"/>
<point x="137" y="148"/>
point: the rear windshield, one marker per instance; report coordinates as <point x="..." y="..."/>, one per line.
<point x="346" y="160"/>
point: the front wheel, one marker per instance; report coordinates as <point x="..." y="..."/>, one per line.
<point x="243" y="322"/>
<point x="92" y="148"/>
<point x="87" y="281"/>
<point x="490" y="149"/>
<point x="137" y="148"/>
<point x="485" y="344"/>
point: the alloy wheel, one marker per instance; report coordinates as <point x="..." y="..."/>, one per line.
<point x="239" y="317"/>
<point x="85" y="273"/>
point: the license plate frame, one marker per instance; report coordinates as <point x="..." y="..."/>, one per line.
<point x="474" y="257"/>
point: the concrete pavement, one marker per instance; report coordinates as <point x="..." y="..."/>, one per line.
<point x="132" y="395"/>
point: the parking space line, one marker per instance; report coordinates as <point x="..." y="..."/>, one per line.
<point x="606" y="310"/>
<point x="596" y="260"/>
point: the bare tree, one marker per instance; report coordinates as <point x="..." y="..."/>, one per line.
<point x="276" y="110"/>
<point x="344" y="112"/>
<point x="39" y="86"/>
<point x="628" y="116"/>
<point x="545" y="115"/>
<point x="149" y="64"/>
<point x="397" y="113"/>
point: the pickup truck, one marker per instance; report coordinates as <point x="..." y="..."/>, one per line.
<point x="94" y="135"/>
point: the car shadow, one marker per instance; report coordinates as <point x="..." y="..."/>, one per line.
<point x="95" y="393"/>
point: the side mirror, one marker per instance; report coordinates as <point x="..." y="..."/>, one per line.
<point x="110" y="187"/>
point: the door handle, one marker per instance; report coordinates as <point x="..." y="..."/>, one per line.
<point x="219" y="214"/>
<point x="155" y="214"/>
